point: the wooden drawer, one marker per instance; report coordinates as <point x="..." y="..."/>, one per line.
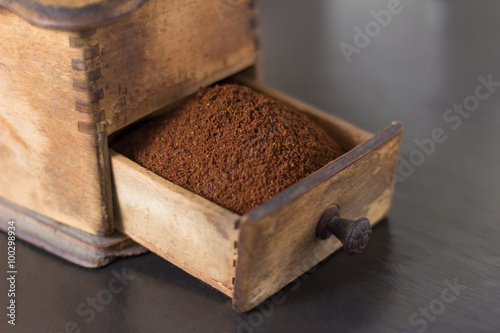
<point x="249" y="257"/>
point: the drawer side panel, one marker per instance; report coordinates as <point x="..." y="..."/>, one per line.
<point x="184" y="228"/>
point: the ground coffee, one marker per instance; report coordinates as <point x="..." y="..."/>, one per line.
<point x="231" y="145"/>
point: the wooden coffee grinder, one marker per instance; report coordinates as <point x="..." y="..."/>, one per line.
<point x="75" y="72"/>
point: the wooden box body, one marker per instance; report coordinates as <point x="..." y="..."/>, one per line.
<point x="64" y="90"/>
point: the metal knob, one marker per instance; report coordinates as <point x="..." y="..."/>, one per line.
<point x="353" y="234"/>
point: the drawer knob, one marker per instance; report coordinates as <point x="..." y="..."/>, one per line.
<point x="354" y="234"/>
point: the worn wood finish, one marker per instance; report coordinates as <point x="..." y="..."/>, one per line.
<point x="54" y="151"/>
<point x="278" y="240"/>
<point x="184" y="228"/>
<point x="167" y="50"/>
<point x="69" y="243"/>
<point x="71" y="15"/>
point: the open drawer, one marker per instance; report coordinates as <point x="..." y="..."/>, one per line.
<point x="250" y="257"/>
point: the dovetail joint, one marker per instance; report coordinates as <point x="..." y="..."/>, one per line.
<point x="235" y="257"/>
<point x="92" y="128"/>
<point x="92" y="73"/>
<point x="87" y="107"/>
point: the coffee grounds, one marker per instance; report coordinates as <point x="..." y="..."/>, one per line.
<point x="231" y="145"/>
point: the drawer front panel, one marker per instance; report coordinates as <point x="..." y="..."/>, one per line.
<point x="278" y="240"/>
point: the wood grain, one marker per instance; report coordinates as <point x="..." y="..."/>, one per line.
<point x="167" y="50"/>
<point x="54" y="157"/>
<point x="278" y="239"/>
<point x="184" y="228"/>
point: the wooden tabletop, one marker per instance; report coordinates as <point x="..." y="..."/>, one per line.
<point x="432" y="266"/>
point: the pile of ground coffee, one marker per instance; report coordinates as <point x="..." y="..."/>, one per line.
<point x="231" y="145"/>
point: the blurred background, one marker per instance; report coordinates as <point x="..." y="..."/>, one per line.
<point x="432" y="266"/>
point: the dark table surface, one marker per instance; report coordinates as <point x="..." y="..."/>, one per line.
<point x="433" y="265"/>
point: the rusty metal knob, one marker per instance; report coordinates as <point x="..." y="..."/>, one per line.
<point x="354" y="234"/>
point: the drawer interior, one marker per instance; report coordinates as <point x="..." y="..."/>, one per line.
<point x="240" y="255"/>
